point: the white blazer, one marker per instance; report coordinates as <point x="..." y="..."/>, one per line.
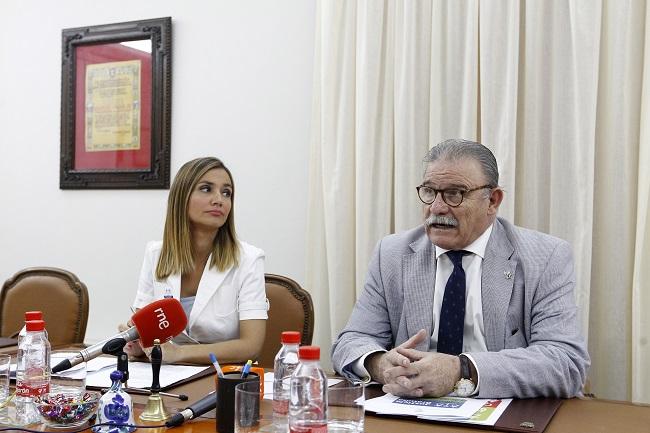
<point x="222" y="298"/>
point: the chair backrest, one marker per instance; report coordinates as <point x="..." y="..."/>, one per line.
<point x="59" y="294"/>
<point x="291" y="309"/>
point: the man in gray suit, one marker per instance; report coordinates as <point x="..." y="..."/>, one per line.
<point x="470" y="303"/>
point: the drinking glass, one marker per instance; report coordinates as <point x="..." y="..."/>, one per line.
<point x="345" y="408"/>
<point x="70" y="381"/>
<point x="5" y="369"/>
<point x="247" y="409"/>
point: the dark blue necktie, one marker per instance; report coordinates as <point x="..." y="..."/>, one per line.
<point x="452" y="313"/>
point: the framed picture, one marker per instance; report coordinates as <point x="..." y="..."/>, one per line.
<point x="116" y="105"/>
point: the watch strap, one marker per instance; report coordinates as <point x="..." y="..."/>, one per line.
<point x="465" y="372"/>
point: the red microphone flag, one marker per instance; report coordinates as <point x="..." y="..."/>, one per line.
<point x="162" y="319"/>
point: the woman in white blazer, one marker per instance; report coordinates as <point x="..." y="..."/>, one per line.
<point x="218" y="279"/>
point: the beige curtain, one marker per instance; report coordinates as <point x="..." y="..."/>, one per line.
<point x="640" y="341"/>
<point x="616" y="182"/>
<point x="558" y="89"/>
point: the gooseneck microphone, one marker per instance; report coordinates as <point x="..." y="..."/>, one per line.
<point x="194" y="410"/>
<point x="95" y="350"/>
<point x="162" y="320"/>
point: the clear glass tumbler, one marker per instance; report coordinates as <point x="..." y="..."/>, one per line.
<point x="345" y="413"/>
<point x="247" y="409"/>
<point x="5" y="370"/>
<point x="70" y="381"/>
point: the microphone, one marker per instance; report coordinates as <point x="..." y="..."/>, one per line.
<point x="194" y="410"/>
<point x="162" y="320"/>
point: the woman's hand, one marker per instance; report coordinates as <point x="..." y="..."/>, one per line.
<point x="132" y="348"/>
<point x="171" y="352"/>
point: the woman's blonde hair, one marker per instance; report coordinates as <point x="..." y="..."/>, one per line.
<point x="176" y="254"/>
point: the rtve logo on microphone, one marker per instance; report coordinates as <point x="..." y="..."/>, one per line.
<point x="163" y="323"/>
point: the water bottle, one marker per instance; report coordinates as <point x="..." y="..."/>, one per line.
<point x="32" y="371"/>
<point x="30" y="315"/>
<point x="308" y="394"/>
<point x="284" y="365"/>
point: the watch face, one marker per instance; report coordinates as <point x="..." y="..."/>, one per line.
<point x="464" y="388"/>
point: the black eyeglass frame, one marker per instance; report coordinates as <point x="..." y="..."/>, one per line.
<point x="442" y="192"/>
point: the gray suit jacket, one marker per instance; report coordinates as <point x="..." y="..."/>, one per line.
<point x="535" y="348"/>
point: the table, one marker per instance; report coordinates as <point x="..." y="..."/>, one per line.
<point x="573" y="416"/>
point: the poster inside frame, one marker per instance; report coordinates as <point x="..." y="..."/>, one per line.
<point x="116" y="106"/>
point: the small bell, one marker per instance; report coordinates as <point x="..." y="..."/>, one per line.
<point x="115" y="407"/>
<point x="155" y="409"/>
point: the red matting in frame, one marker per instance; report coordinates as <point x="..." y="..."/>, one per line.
<point x="112" y="159"/>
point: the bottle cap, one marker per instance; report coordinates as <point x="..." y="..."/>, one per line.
<point x="290" y="337"/>
<point x="116" y="375"/>
<point x="35" y="325"/>
<point x="33" y="315"/>
<point x="309" y="353"/>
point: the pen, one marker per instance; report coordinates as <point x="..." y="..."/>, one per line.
<point x="246" y="369"/>
<point x="213" y="359"/>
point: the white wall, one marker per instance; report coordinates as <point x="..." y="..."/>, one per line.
<point x="242" y="75"/>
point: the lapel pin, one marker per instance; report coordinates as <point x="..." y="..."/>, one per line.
<point x="507" y="274"/>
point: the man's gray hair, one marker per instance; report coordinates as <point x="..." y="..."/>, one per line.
<point x="455" y="149"/>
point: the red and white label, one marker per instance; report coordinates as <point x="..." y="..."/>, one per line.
<point x="24" y="390"/>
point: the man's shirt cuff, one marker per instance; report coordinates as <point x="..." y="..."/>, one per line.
<point x="359" y="369"/>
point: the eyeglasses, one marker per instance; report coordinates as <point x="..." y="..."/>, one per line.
<point x="452" y="196"/>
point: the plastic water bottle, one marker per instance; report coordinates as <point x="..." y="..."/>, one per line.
<point x="32" y="371"/>
<point x="308" y="394"/>
<point x="284" y="365"/>
<point x="30" y="315"/>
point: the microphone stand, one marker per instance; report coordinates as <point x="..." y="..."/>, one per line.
<point x="115" y="347"/>
<point x="123" y="366"/>
<point x="155" y="409"/>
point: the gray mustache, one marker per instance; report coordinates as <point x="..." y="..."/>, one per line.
<point x="439" y="219"/>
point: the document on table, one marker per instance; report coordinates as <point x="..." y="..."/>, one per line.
<point x="488" y="414"/>
<point x="452" y="409"/>
<point x="140" y="374"/>
<point x="268" y="384"/>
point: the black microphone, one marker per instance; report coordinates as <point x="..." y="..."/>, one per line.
<point x="194" y="410"/>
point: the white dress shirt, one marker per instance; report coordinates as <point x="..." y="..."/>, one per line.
<point x="473" y="334"/>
